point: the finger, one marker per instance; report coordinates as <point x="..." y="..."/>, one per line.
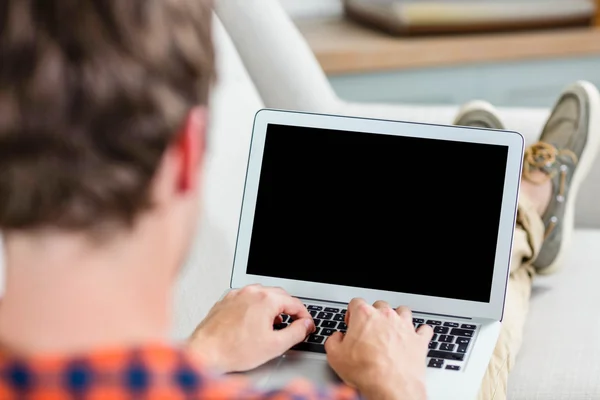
<point x="426" y="332"/>
<point x="333" y="342"/>
<point x="278" y="290"/>
<point x="358" y="309"/>
<point x="231" y="293"/>
<point x="405" y="313"/>
<point x="384" y="308"/>
<point x="355" y="303"/>
<point x="255" y="287"/>
<point x="347" y="315"/>
<point x="381" y="305"/>
<point x="296" y="332"/>
<point x="286" y="304"/>
<point x="278" y="320"/>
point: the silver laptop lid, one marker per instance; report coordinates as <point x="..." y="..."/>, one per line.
<point x="419" y="215"/>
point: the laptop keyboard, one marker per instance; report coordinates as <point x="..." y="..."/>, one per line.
<point x="448" y="348"/>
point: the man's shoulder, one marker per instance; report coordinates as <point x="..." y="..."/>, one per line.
<point x="152" y="369"/>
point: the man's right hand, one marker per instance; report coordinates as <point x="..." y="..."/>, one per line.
<point x="381" y="354"/>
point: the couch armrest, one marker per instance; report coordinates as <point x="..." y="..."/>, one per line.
<point x="527" y="121"/>
<point x="280" y="62"/>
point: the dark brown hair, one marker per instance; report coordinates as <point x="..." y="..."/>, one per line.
<point x="92" y="93"/>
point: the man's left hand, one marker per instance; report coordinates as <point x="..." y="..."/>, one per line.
<point x="237" y="334"/>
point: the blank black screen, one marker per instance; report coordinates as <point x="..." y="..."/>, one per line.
<point x="382" y="212"/>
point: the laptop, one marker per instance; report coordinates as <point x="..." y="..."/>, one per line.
<point x="420" y="215"/>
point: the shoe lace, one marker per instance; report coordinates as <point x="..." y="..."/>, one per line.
<point x="542" y="156"/>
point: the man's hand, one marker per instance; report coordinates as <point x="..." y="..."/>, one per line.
<point x="381" y="354"/>
<point x="238" y="335"/>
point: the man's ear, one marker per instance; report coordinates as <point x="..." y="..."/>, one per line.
<point x="191" y="145"/>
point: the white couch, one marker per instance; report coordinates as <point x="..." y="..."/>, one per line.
<point x="263" y="61"/>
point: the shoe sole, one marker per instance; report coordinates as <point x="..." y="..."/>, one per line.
<point x="479" y="105"/>
<point x="583" y="168"/>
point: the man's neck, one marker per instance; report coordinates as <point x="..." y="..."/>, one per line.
<point x="66" y="297"/>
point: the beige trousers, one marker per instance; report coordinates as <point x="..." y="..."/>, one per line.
<point x="529" y="235"/>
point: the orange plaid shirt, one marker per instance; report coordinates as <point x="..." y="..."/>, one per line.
<point x="151" y="372"/>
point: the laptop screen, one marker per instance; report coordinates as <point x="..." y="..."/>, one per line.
<point x="383" y="212"/>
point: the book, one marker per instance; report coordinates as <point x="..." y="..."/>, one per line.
<point x="424" y="16"/>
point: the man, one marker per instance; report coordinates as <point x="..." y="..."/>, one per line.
<point x="103" y="115"/>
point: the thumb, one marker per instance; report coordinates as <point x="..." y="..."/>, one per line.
<point x="333" y="342"/>
<point x="296" y="332"/>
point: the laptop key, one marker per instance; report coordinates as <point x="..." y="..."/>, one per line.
<point x="316" y="308"/>
<point x="461" y="332"/>
<point x="344" y="311"/>
<point x="328" y="324"/>
<point x="313" y="347"/>
<point x="333" y="310"/>
<point x="313" y="313"/>
<point x="339" y="317"/>
<point x="433" y="322"/>
<point x="315" y="339"/>
<point x="279" y="327"/>
<point x="316" y="332"/>
<point x="447" y="347"/>
<point x="453" y="367"/>
<point x="445" y="355"/>
<point x="434" y="337"/>
<point x="451" y="324"/>
<point x="441" y="329"/>
<point x="327" y="331"/>
<point x="325" y="315"/>
<point x="418" y="320"/>
<point x="342" y="326"/>
<point x="446" y="339"/>
<point x="433" y="345"/>
<point x="317" y="321"/>
<point x="285" y="318"/>
<point x="462" y="348"/>
<point x="467" y="326"/>
<point x="463" y="340"/>
<point x="436" y="363"/>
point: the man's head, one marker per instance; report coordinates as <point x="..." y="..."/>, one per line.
<point x="102" y="114"/>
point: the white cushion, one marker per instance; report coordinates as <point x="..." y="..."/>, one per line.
<point x="560" y="355"/>
<point x="234" y="104"/>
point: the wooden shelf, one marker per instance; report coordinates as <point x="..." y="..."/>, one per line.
<point x="343" y="47"/>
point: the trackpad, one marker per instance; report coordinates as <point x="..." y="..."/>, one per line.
<point x="294" y="366"/>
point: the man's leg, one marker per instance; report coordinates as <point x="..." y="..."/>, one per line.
<point x="552" y="173"/>
<point x="527" y="242"/>
<point x="528" y="238"/>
